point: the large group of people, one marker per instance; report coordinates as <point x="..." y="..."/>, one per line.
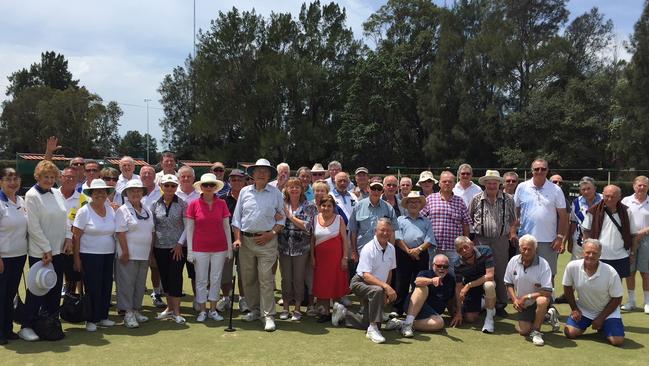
<point x="407" y="256"/>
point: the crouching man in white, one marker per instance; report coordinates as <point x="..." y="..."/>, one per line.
<point x="371" y="285"/>
<point x="600" y="294"/>
<point x="528" y="278"/>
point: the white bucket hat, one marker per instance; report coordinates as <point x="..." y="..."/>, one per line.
<point x="98" y="184"/>
<point x="41" y="279"/>
<point x="134" y="183"/>
<point x="209" y="178"/>
<point x="265" y="164"/>
<point x="490" y="175"/>
<point x="426" y="175"/>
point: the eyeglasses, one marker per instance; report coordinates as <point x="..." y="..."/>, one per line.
<point x="317" y="174"/>
<point x="376" y="188"/>
<point x="465" y="173"/>
<point x="391" y="185"/>
<point x="557" y="182"/>
<point x="441" y="266"/>
<point x="218" y="170"/>
<point x="92" y="170"/>
<point x="511" y="181"/>
<point x="77" y="164"/>
<point x="114" y="179"/>
<point x="208" y="185"/>
<point x="540" y="169"/>
<point x="169" y="185"/>
<point x="69" y="176"/>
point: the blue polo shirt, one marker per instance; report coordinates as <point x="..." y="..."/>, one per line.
<point x="364" y="218"/>
<point x="415" y="232"/>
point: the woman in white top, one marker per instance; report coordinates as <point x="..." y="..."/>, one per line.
<point x="93" y="236"/>
<point x="46" y="227"/>
<point x="13" y="248"/>
<point x="134" y="226"/>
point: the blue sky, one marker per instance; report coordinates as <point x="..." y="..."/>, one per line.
<point x="121" y="49"/>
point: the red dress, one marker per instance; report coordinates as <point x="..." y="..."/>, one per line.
<point x="330" y="280"/>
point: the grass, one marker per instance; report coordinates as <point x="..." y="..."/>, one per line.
<point x="164" y="342"/>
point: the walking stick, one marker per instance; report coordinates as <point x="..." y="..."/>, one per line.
<point x="234" y="282"/>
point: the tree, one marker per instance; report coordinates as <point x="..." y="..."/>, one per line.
<point x="51" y="72"/>
<point x="134" y="144"/>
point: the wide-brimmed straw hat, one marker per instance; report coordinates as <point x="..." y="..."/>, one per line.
<point x="413" y="195"/>
<point x="490" y="175"/>
<point x="208" y="178"/>
<point x="262" y="163"/>
<point x="426" y="175"/>
<point x="41" y="279"/>
<point x="98" y="184"/>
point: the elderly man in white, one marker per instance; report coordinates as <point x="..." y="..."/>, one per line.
<point x="600" y="294"/>
<point x="127" y="168"/>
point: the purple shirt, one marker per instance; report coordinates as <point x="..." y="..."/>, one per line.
<point x="447" y="218"/>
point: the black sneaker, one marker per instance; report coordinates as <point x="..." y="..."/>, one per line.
<point x="324" y="318"/>
<point x="501" y="312"/>
<point x="561" y="300"/>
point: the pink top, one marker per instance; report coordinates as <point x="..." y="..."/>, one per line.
<point x="208" y="225"/>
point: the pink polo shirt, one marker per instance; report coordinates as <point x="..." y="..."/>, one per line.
<point x="208" y="225"/>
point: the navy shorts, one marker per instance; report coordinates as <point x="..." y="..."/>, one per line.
<point x="473" y="300"/>
<point x="427" y="310"/>
<point x="622" y="266"/>
<point x="613" y="327"/>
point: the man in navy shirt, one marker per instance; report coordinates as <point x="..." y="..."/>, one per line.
<point x="435" y="289"/>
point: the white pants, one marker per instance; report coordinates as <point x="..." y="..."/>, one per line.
<point x="208" y="265"/>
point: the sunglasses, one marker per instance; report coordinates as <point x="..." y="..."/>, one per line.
<point x="92" y="170"/>
<point x="218" y="170"/>
<point x="511" y="181"/>
<point x="376" y="188"/>
<point x="465" y="173"/>
<point x="391" y="185"/>
<point x="114" y="179"/>
<point x="441" y="266"/>
<point x="317" y="174"/>
<point x="208" y="185"/>
<point x="77" y="164"/>
<point x="557" y="182"/>
<point x="540" y="169"/>
<point x="169" y="185"/>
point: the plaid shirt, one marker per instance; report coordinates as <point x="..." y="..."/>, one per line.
<point x="447" y="218"/>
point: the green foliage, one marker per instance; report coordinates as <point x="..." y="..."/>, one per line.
<point x="134" y="144"/>
<point x="51" y="72"/>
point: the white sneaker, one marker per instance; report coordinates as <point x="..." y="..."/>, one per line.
<point x="106" y="323"/>
<point x="251" y="316"/>
<point x="296" y="317"/>
<point x="201" y="316"/>
<point x="140" y="318"/>
<point x="345" y="301"/>
<point x="646" y="308"/>
<point x="284" y="315"/>
<point x="223" y="304"/>
<point x="214" y="315"/>
<point x="393" y="324"/>
<point x="269" y="324"/>
<point x="488" y="326"/>
<point x="407" y="331"/>
<point x="28" y="334"/>
<point x="374" y="335"/>
<point x="338" y="314"/>
<point x="166" y="314"/>
<point x="243" y="305"/>
<point x="179" y="319"/>
<point x="130" y="321"/>
<point x="90" y="327"/>
<point x="537" y="338"/>
<point x="554" y="319"/>
<point x="629" y="306"/>
<point x="280" y="302"/>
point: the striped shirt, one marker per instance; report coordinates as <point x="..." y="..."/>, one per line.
<point x="447" y="218"/>
<point x="466" y="272"/>
<point x="488" y="217"/>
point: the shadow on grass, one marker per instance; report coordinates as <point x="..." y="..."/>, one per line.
<point x="72" y="338"/>
<point x="634" y="329"/>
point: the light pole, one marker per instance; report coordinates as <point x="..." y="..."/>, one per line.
<point x="146" y="100"/>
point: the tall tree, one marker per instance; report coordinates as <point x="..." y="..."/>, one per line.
<point x="134" y="144"/>
<point x="51" y="72"/>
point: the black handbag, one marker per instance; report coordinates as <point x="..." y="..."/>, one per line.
<point x="19" y="306"/>
<point x="76" y="308"/>
<point x="48" y="327"/>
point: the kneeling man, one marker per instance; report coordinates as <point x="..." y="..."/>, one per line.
<point x="528" y="278"/>
<point x="474" y="276"/>
<point x="434" y="292"/>
<point x="371" y="285"/>
<point x="600" y="294"/>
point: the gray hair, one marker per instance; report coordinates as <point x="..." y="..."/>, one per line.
<point x="126" y="158"/>
<point x="186" y="168"/>
<point x="587" y="180"/>
<point x="528" y="239"/>
<point x="384" y="220"/>
<point x="512" y="174"/>
<point x="594" y="242"/>
<point x="461" y="240"/>
<point x="441" y="256"/>
<point x="334" y="163"/>
<point x="147" y="167"/>
<point x="406" y="178"/>
<point x="464" y="166"/>
<point x="283" y="165"/>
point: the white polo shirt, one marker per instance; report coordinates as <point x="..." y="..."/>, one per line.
<point x="468" y="193"/>
<point x="536" y="277"/>
<point x="13" y="227"/>
<point x="639" y="210"/>
<point x="376" y="260"/>
<point x="188" y="198"/>
<point x="121" y="182"/>
<point x="596" y="291"/>
<point x="72" y="204"/>
<point x="609" y="236"/>
<point x="539" y="209"/>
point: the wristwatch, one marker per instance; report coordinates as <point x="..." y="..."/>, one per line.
<point x="561" y="236"/>
<point x="529" y="296"/>
<point x="274" y="232"/>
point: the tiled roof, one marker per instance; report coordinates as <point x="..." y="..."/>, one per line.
<point x="115" y="161"/>
<point x="196" y="163"/>
<point x="28" y="156"/>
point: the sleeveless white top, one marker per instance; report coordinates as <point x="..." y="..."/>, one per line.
<point x="323" y="234"/>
